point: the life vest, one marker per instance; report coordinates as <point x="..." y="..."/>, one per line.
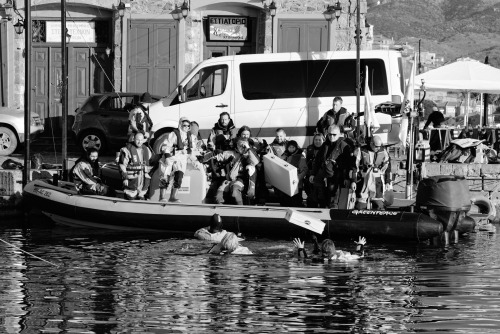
<point x="341" y="118"/>
<point x="368" y="158"/>
<point x="180" y="143"/>
<point x="135" y="164"/>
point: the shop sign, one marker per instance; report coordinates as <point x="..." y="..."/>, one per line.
<point x="80" y="31"/>
<point x="228" y="28"/>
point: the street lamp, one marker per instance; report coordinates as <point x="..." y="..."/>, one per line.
<point x="184" y="9"/>
<point x="68" y="36"/>
<point x="333" y="10"/>
<point x="121" y="9"/>
<point x="272" y="12"/>
<point x="272" y="9"/>
<point x="19" y="26"/>
<point x="7" y="7"/>
<point x="176" y="13"/>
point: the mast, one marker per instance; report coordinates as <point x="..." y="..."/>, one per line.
<point x="27" y="92"/>
<point x="358" y="70"/>
<point x="64" y="92"/>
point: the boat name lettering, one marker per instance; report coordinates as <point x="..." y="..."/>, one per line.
<point x="42" y="192"/>
<point x="377" y="213"/>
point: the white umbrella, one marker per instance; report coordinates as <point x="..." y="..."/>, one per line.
<point x="465" y="75"/>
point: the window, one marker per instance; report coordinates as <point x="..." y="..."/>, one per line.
<point x="299" y="79"/>
<point x="208" y="82"/>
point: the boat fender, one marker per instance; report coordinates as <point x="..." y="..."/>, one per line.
<point x="485" y="206"/>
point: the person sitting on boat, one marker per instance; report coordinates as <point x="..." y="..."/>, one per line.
<point x="230" y="244"/>
<point x="86" y="173"/>
<point x="311" y="152"/>
<point x="279" y="144"/>
<point x="373" y="174"/>
<point x="293" y="155"/>
<point x="195" y="131"/>
<point x="135" y="165"/>
<point x="222" y="134"/>
<point x="328" y="251"/>
<point x="177" y="149"/>
<point x="214" y="232"/>
<point x="240" y="172"/>
<point x="139" y="120"/>
<point x="246" y="133"/>
<point x="331" y="169"/>
<point x="338" y="115"/>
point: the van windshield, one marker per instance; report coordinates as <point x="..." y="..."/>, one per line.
<point x="311" y="78"/>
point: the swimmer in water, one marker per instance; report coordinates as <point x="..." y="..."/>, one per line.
<point x="328" y="251"/>
<point x="230" y="244"/>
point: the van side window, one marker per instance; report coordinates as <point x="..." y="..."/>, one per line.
<point x="309" y="78"/>
<point x="208" y="82"/>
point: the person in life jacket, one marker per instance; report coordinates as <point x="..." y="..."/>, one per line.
<point x="86" y="172"/>
<point x="279" y="144"/>
<point x="310" y="153"/>
<point x="222" y="133"/>
<point x="331" y="169"/>
<point x="373" y="174"/>
<point x="293" y="155"/>
<point x="135" y="165"/>
<point x="178" y="148"/>
<point x="240" y="172"/>
<point x="338" y="115"/>
<point x="139" y="120"/>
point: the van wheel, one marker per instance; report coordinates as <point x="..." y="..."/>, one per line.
<point x="92" y="138"/>
<point x="8" y="141"/>
<point x="159" y="141"/>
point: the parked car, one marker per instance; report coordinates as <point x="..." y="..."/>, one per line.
<point x="102" y="120"/>
<point x="12" y="129"/>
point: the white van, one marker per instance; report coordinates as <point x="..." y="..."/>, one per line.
<point x="281" y="90"/>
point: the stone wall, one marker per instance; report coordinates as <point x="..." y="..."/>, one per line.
<point x="484" y="179"/>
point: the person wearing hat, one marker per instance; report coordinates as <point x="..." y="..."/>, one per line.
<point x="215" y="232"/>
<point x="176" y="150"/>
<point x="139" y="120"/>
<point x="436" y="118"/>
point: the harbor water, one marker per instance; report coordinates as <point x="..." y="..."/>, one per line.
<point x="116" y="282"/>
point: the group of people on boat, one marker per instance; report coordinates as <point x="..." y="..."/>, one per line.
<point x="333" y="166"/>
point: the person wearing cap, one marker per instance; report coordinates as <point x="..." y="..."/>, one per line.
<point x="176" y="151"/>
<point x="214" y="232"/>
<point x="436" y="117"/>
<point x="373" y="175"/>
<point x="293" y="155"/>
<point x="139" y="120"/>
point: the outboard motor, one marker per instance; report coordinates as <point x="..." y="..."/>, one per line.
<point x="446" y="198"/>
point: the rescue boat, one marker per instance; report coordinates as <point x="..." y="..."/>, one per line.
<point x="65" y="206"/>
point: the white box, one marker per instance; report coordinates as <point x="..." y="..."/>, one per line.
<point x="281" y="174"/>
<point x="304" y="220"/>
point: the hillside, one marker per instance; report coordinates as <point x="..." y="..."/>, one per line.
<point x="451" y="28"/>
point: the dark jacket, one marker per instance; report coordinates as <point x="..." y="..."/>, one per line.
<point x="333" y="160"/>
<point x="342" y="118"/>
<point x="221" y="136"/>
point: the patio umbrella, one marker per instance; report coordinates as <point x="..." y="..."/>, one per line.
<point x="465" y="75"/>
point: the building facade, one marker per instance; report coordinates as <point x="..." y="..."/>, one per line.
<point x="147" y="49"/>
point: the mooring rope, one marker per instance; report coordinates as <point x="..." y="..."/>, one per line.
<point x="36" y="257"/>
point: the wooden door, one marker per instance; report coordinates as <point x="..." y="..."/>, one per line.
<point x="47" y="81"/>
<point x="152" y="56"/>
<point x="40" y="102"/>
<point x="302" y="36"/>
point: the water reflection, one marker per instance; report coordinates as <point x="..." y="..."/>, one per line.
<point x="111" y="282"/>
